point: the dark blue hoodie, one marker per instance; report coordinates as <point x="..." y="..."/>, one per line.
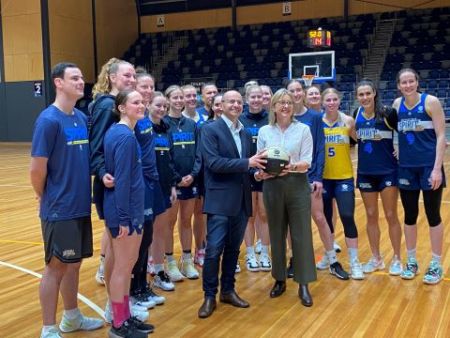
<point x="183" y="133"/>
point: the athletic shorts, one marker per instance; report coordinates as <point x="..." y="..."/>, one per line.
<point x="149" y="198"/>
<point x="331" y="188"/>
<point x="131" y="229"/>
<point x="186" y="193"/>
<point x="376" y="183"/>
<point x="161" y="202"/>
<point x="98" y="193"/>
<point x="416" y="178"/>
<point x="70" y="240"/>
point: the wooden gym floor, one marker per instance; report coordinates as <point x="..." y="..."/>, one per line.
<point x="379" y="306"/>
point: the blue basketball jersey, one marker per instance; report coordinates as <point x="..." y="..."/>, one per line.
<point x="375" y="145"/>
<point x="416" y="135"/>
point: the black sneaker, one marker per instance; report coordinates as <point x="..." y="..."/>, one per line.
<point x="141" y="326"/>
<point x="127" y="330"/>
<point x="337" y="270"/>
<point x="290" y="269"/>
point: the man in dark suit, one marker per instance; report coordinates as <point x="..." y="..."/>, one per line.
<point x="228" y="202"/>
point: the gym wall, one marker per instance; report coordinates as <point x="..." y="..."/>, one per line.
<point x="307" y="9"/>
<point x="71" y="39"/>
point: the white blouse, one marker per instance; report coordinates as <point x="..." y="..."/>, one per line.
<point x="296" y="140"/>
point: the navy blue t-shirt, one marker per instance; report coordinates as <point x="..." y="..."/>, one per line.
<point x="123" y="204"/>
<point x="63" y="140"/>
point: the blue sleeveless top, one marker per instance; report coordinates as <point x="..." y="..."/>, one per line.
<point x="416" y="135"/>
<point x="375" y="145"/>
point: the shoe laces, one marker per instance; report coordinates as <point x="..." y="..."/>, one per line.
<point x="163" y="276"/>
<point x="434" y="269"/>
<point x="411" y="265"/>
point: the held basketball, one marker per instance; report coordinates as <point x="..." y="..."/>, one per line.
<point x="277" y="159"/>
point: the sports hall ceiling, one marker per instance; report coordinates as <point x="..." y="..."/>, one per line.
<point x="150" y="7"/>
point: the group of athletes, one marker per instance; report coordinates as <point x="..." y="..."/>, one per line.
<point x="145" y="155"/>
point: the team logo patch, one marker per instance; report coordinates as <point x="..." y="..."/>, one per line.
<point x="404" y="181"/>
<point x="388" y="183"/>
<point x="365" y="185"/>
<point x="344" y="187"/>
<point x="69" y="253"/>
<point x="420" y="109"/>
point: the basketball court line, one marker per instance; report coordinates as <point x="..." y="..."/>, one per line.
<point x="12" y="185"/>
<point x="82" y="298"/>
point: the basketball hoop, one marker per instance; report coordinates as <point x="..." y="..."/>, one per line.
<point x="308" y="79"/>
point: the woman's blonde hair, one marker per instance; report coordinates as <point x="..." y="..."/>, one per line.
<point x="331" y="90"/>
<point x="103" y="84"/>
<point x="275" y="98"/>
<point x="171" y="89"/>
<point x="251" y="88"/>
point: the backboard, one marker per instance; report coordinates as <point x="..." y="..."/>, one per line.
<point x="319" y="64"/>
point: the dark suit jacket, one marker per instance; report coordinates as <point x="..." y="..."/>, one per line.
<point x="227" y="179"/>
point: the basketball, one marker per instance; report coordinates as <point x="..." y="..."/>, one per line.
<point x="277" y="159"/>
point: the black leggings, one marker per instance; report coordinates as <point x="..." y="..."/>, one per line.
<point x="432" y="203"/>
<point x="139" y="279"/>
<point x="346" y="206"/>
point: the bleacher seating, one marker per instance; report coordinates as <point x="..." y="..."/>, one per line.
<point x="421" y="40"/>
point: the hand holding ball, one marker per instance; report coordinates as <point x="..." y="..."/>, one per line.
<point x="277" y="159"/>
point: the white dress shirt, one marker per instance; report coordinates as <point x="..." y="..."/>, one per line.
<point x="235" y="130"/>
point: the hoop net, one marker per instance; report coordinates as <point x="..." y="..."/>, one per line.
<point x="308" y="79"/>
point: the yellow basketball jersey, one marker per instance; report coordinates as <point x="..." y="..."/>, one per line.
<point x="338" y="163"/>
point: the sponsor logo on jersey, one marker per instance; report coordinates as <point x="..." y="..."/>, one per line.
<point x="339" y="139"/>
<point x="412" y="124"/>
<point x="76" y="136"/>
<point x="369" y="134"/>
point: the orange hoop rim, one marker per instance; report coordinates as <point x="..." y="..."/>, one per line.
<point x="308" y="79"/>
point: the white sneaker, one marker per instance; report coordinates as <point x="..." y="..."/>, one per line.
<point x="324" y="263"/>
<point x="51" y="333"/>
<point x="139" y="312"/>
<point x="188" y="269"/>
<point x="258" y="247"/>
<point x="136" y="311"/>
<point x="199" y="257"/>
<point x="373" y="265"/>
<point x="265" y="262"/>
<point x="336" y="247"/>
<point x="395" y="269"/>
<point x="151" y="266"/>
<point x="151" y="295"/>
<point x="252" y="263"/>
<point x="108" y="312"/>
<point x="143" y="301"/>
<point x="163" y="282"/>
<point x="238" y="268"/>
<point x="356" y="270"/>
<point x="173" y="272"/>
<point x="100" y="274"/>
<point x="81" y="323"/>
